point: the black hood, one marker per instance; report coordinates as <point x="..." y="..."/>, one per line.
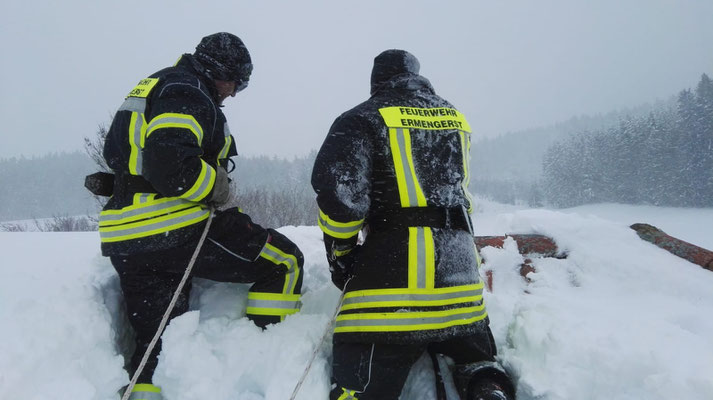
<point x="224" y="57"/>
<point x="391" y="63"/>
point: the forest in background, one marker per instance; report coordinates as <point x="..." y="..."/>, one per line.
<point x="509" y="169"/>
<point x="664" y="158"/>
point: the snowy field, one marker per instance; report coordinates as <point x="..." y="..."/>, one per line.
<point x="618" y="319"/>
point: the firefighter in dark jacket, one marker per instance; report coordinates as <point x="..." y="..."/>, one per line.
<point x="395" y="167"/>
<point x="169" y="148"/>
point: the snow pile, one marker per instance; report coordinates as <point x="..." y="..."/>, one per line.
<point x="618" y="319"/>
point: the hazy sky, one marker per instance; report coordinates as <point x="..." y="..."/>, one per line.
<point x="507" y="65"/>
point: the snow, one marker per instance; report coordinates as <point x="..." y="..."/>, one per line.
<point x="618" y="319"/>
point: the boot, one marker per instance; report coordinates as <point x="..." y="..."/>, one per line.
<point x="487" y="390"/>
<point x="484" y="380"/>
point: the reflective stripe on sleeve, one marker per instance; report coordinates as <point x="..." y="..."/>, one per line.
<point x="340" y="230"/>
<point x="203" y="184"/>
<point x="137" y="135"/>
<point x="277" y="256"/>
<point x="226" y="146"/>
<point x="175" y="120"/>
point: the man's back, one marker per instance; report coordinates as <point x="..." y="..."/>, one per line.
<point x="164" y="145"/>
<point x="398" y="164"/>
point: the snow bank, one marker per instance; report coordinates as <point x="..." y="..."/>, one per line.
<point x="618" y="319"/>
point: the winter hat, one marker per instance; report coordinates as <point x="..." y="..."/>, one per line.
<point x="391" y="63"/>
<point x="224" y="57"/>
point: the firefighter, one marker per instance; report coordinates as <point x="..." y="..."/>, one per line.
<point x="169" y="147"/>
<point x="395" y="168"/>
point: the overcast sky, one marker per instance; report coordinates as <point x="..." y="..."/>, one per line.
<point x="507" y="65"/>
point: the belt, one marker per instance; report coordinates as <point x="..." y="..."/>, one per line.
<point x="128" y="183"/>
<point x="434" y="217"/>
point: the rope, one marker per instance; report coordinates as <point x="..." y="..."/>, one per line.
<point x="171" y="305"/>
<point x="319" y="345"/>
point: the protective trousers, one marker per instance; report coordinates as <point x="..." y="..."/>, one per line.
<point x="375" y="371"/>
<point x="235" y="250"/>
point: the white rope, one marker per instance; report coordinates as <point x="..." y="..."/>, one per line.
<point x="319" y="345"/>
<point x="171" y="305"/>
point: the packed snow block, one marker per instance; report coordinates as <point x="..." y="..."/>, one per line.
<point x="690" y="252"/>
<point x="530" y="245"/>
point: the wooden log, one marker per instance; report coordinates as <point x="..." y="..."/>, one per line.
<point x="688" y="251"/>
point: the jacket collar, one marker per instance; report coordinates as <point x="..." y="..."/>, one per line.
<point x="189" y="62"/>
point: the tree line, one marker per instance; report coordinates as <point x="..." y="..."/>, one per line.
<point x="662" y="159"/>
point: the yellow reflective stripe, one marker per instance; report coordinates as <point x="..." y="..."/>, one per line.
<point x="153" y="226"/>
<point x="275" y="312"/>
<point x="273" y="303"/>
<point x="203" y="185"/>
<point x="465" y="148"/>
<point x="340" y="230"/>
<point x="348" y="395"/>
<point x="430" y="254"/>
<point x="413" y="257"/>
<point x="137" y="130"/>
<point x="291" y="281"/>
<point x="175" y="120"/>
<point x="144" y="210"/>
<point x="409" y="321"/>
<point x="145" y="391"/>
<point x="410" y="192"/>
<point x="410" y="291"/>
<point x="267" y="296"/>
<point x="398" y="168"/>
<point x="421" y="199"/>
<point x="421" y="258"/>
<point x="424" y="118"/>
<point x="277" y="256"/>
<point x="413" y="297"/>
<point x="339" y="253"/>
<point x="226" y="146"/>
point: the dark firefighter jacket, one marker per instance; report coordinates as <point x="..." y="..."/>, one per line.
<point x="404" y="148"/>
<point x="170" y="132"/>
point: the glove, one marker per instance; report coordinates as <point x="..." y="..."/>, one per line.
<point x="342" y="268"/>
<point x="221" y="188"/>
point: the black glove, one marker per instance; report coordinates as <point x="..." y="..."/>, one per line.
<point x="221" y="188"/>
<point x="342" y="268"/>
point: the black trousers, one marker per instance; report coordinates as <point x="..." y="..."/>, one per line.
<point x="379" y="371"/>
<point x="230" y="253"/>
